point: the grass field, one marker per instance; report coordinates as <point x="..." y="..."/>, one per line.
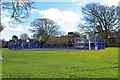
<point x="60" y="64"/>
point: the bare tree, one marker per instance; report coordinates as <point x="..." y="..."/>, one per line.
<point x="24" y="36"/>
<point x="44" y="29"/>
<point x="19" y="9"/>
<point x="100" y="20"/>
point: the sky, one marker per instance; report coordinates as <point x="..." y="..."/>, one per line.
<point x="66" y="14"/>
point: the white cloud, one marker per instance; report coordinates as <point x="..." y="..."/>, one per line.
<point x="9" y="30"/>
<point x="34" y="10"/>
<point x="5" y="12"/>
<point x="81" y="3"/>
<point x="6" y="20"/>
<point x="111" y="2"/>
<point x="18" y="28"/>
<point x="8" y="25"/>
<point x="29" y="27"/>
<point x="67" y="20"/>
<point x="73" y="0"/>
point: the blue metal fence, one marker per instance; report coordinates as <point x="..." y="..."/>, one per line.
<point x="92" y="44"/>
<point x="14" y="45"/>
<point x="89" y="44"/>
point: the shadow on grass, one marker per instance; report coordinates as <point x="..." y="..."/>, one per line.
<point x="100" y="68"/>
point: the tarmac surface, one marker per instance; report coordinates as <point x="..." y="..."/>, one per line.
<point x="52" y="49"/>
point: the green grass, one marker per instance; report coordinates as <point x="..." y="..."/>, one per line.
<point x="60" y="64"/>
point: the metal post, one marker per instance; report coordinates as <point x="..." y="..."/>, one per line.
<point x="13" y="44"/>
<point x="17" y="44"/>
<point x="75" y="42"/>
<point x="8" y="45"/>
<point x="89" y="45"/>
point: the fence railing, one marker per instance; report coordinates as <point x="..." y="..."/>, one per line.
<point x="96" y="44"/>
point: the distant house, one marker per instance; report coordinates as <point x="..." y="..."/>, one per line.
<point x="66" y="38"/>
<point x="114" y="42"/>
<point x="114" y="39"/>
<point x="60" y="41"/>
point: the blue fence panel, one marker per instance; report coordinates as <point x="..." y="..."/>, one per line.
<point x="18" y="45"/>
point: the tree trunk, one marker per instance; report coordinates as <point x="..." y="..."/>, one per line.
<point x="1" y="27"/>
<point x="107" y="41"/>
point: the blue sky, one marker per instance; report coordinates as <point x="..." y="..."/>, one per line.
<point x="66" y="14"/>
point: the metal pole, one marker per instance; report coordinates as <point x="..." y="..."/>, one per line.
<point x="75" y="43"/>
<point x="89" y="45"/>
